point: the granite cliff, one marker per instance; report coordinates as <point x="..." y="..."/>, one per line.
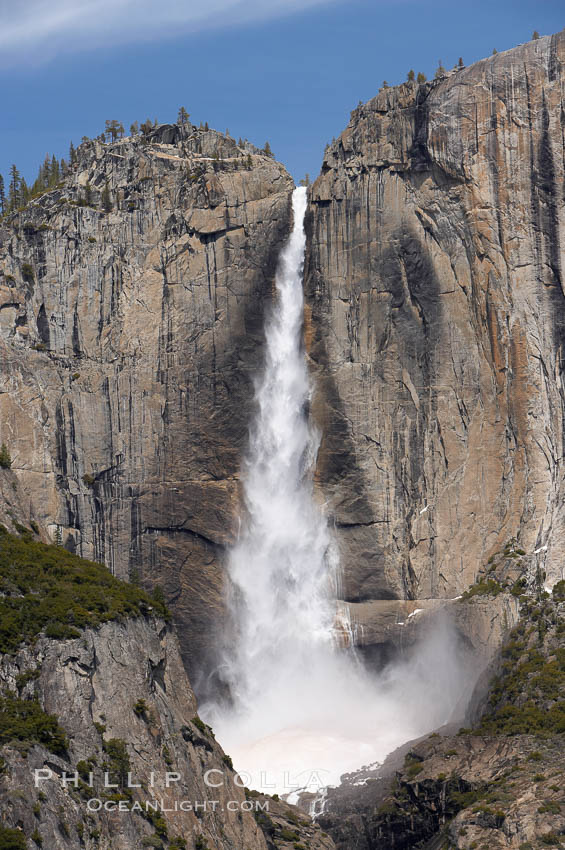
<point x="131" y="333"/>
<point x="131" y="327"/>
<point x="132" y="299"/>
<point x="434" y="327"/>
<point x="101" y="745"/>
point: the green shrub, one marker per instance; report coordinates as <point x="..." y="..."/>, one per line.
<point x="117" y="763"/>
<point x="558" y="591"/>
<point x="83" y="769"/>
<point x="12" y="839"/>
<point x="414" y="769"/>
<point x="44" y="587"/>
<point x="201" y="726"/>
<point x="167" y="756"/>
<point x="25" y="721"/>
<point x="5" y="459"/>
<point x="27" y="676"/>
<point x="488" y="587"/>
<point x="140" y="707"/>
<point x="550" y="838"/>
<point x="288" y="834"/>
<point x="412" y="765"/>
<point x="228" y="760"/>
<point x="551" y="806"/>
<point x="27" y="272"/>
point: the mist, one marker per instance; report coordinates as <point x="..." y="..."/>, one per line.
<point x="302" y="707"/>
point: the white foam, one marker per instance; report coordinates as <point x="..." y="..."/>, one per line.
<point x="303" y="705"/>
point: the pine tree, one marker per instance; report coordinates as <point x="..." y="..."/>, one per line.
<point x="72" y="154"/>
<point x="106" y="199"/>
<point x="5" y="459"/>
<point x="267" y="149"/>
<point x="25" y="193"/>
<point x="183" y="116"/>
<point x="305" y="180"/>
<point x="421" y="78"/>
<point x="88" y="195"/>
<point x="134" y="128"/>
<point x="535" y="35"/>
<point x="461" y="63"/>
<point x="206" y="127"/>
<point x="411" y="76"/>
<point x="113" y="129"/>
<point x="14" y="189"/>
<point x="2" y="196"/>
<point x="58" y="536"/>
<point x="146" y="127"/>
<point x="45" y="172"/>
<point x="494" y="51"/>
<point x="440" y="72"/>
<point x="384" y="85"/>
<point x="55" y="171"/>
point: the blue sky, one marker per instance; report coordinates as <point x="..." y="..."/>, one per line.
<point x="281" y="70"/>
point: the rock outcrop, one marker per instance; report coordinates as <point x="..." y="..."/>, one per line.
<point x="131" y="327"/>
<point x="101" y="745"/>
<point x="435" y="313"/>
<point x="498" y="784"/>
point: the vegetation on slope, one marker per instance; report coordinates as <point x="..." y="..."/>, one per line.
<point x="24" y="721"/>
<point x="47" y="589"/>
<point x="12" y="839"/>
<point x="528" y="697"/>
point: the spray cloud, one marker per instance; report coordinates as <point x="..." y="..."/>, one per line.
<point x="302" y="701"/>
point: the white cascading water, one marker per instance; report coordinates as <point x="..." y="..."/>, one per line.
<point x="304" y="710"/>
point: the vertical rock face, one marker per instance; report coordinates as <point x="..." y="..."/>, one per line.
<point x="129" y="337"/>
<point x="133" y="712"/>
<point x="141" y="768"/>
<point x="435" y="323"/>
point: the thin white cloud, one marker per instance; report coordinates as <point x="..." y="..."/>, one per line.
<point x="32" y="29"/>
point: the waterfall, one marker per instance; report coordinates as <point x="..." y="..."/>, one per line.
<point x="303" y="709"/>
